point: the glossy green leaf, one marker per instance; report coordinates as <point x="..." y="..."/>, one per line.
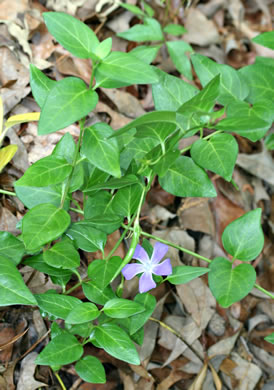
<point x="101" y="272"/>
<point x="132" y="8"/>
<point x="177" y="51"/>
<point x="42" y="224"/>
<point x="40" y="85"/>
<point x="174" y="29"/>
<point x="71" y="33"/>
<point x="269" y="142"/>
<point x="47" y="171"/>
<point x="93" y="176"/>
<point x="65" y="148"/>
<point x="263" y="109"/>
<point x="184" y="274"/>
<point x="62" y="349"/>
<point x="84" y="312"/>
<point x="68" y="101"/>
<point x="83" y="330"/>
<point x="146" y="54"/>
<point x="100" y="150"/>
<point x="157" y="130"/>
<point x="62" y="255"/>
<point x="171" y="92"/>
<point x="231" y="85"/>
<point x="33" y="196"/>
<point x="11" y="247"/>
<point x="270" y="338"/>
<point x="265" y="39"/>
<point x="91" y="370"/>
<point x="260" y="80"/>
<point x="165" y="162"/>
<point x="149" y="303"/>
<point x="266" y="61"/>
<point x="230" y="285"/>
<point x="218" y="154"/>
<point x="244" y="238"/>
<point x="103" y="49"/>
<point x="56" y="304"/>
<point x="97" y="204"/>
<point x="96" y="294"/>
<point x="13" y="290"/>
<point x="114" y="183"/>
<point x="185" y="178"/>
<point x="122" y="308"/>
<point x="121" y="69"/>
<point x="87" y="238"/>
<point x="117" y="343"/>
<point x="251" y="127"/>
<point x="149" y="31"/>
<point x="107" y="223"/>
<point x="126" y="200"/>
<point x="38" y="263"/>
<point x="136" y="150"/>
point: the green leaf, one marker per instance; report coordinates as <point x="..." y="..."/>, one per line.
<point x="165" y="162"/>
<point x="11" y="247"/>
<point x="149" y="303"/>
<point x="101" y="272"/>
<point x="146" y="54"/>
<point x="260" y="80"/>
<point x="62" y="255"/>
<point x="122" y="308"/>
<point x="267" y="61"/>
<point x="174" y="29"/>
<point x="136" y="150"/>
<point x="171" y="92"/>
<point x="177" y="51"/>
<point x="122" y="69"/>
<point x="68" y="101"/>
<point x="103" y="49"/>
<point x="40" y="85"/>
<point x="157" y="130"/>
<point x="87" y="238"/>
<point x="185" y="178"/>
<point x="126" y="200"/>
<point x="97" y="204"/>
<point x="269" y="142"/>
<point x="149" y="31"/>
<point x="13" y="290"/>
<point x="91" y="370"/>
<point x="132" y="8"/>
<point x="84" y="312"/>
<point x="117" y="343"/>
<point x="270" y="338"/>
<point x="83" y="330"/>
<point x="65" y="148"/>
<point x="230" y="285"/>
<point x="38" y="263"/>
<point x="47" y="171"/>
<point x="124" y="181"/>
<point x="42" y="224"/>
<point x="251" y="127"/>
<point x="231" y="85"/>
<point x="107" y="223"/>
<point x="72" y="34"/>
<point x="265" y="39"/>
<point x="63" y="349"/>
<point x="244" y="238"/>
<point x="100" y="150"/>
<point x="184" y="274"/>
<point x="263" y="109"/>
<point x="96" y="294"/>
<point x="218" y="154"/>
<point x="56" y="304"/>
<point x="33" y="196"/>
<point x="93" y="175"/>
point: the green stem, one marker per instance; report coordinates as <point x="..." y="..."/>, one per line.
<point x="205" y="138"/>
<point x="76" y="210"/>
<point x="7" y="193"/>
<point x="76" y="286"/>
<point x="60" y="381"/>
<point x="264" y="291"/>
<point x="92" y="74"/>
<point x="75" y="157"/>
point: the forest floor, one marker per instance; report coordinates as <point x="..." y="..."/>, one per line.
<point x="233" y="338"/>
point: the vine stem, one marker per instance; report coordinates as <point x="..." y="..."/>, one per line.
<point x="7" y="193"/>
<point x="264" y="291"/>
<point x="60" y="380"/>
<point x="205" y="138"/>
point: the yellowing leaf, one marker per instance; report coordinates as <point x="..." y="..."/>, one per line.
<point x="1" y="115"/>
<point x="21" y="118"/>
<point x="6" y="154"/>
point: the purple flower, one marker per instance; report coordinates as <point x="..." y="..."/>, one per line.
<point x="148" y="266"/>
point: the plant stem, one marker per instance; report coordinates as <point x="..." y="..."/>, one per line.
<point x="7" y="193"/>
<point x="76" y="210"/>
<point x="264" y="291"/>
<point x="60" y="380"/>
<point x="65" y="192"/>
<point x="76" y="286"/>
<point x="205" y="138"/>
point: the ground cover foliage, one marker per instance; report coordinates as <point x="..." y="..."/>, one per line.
<point x="174" y="163"/>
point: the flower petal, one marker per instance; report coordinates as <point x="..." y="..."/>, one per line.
<point x="164" y="268"/>
<point x="130" y="270"/>
<point x="140" y="254"/>
<point x="146" y="282"/>
<point x="159" y="252"/>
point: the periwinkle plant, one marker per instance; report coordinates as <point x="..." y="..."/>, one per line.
<point x="114" y="171"/>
